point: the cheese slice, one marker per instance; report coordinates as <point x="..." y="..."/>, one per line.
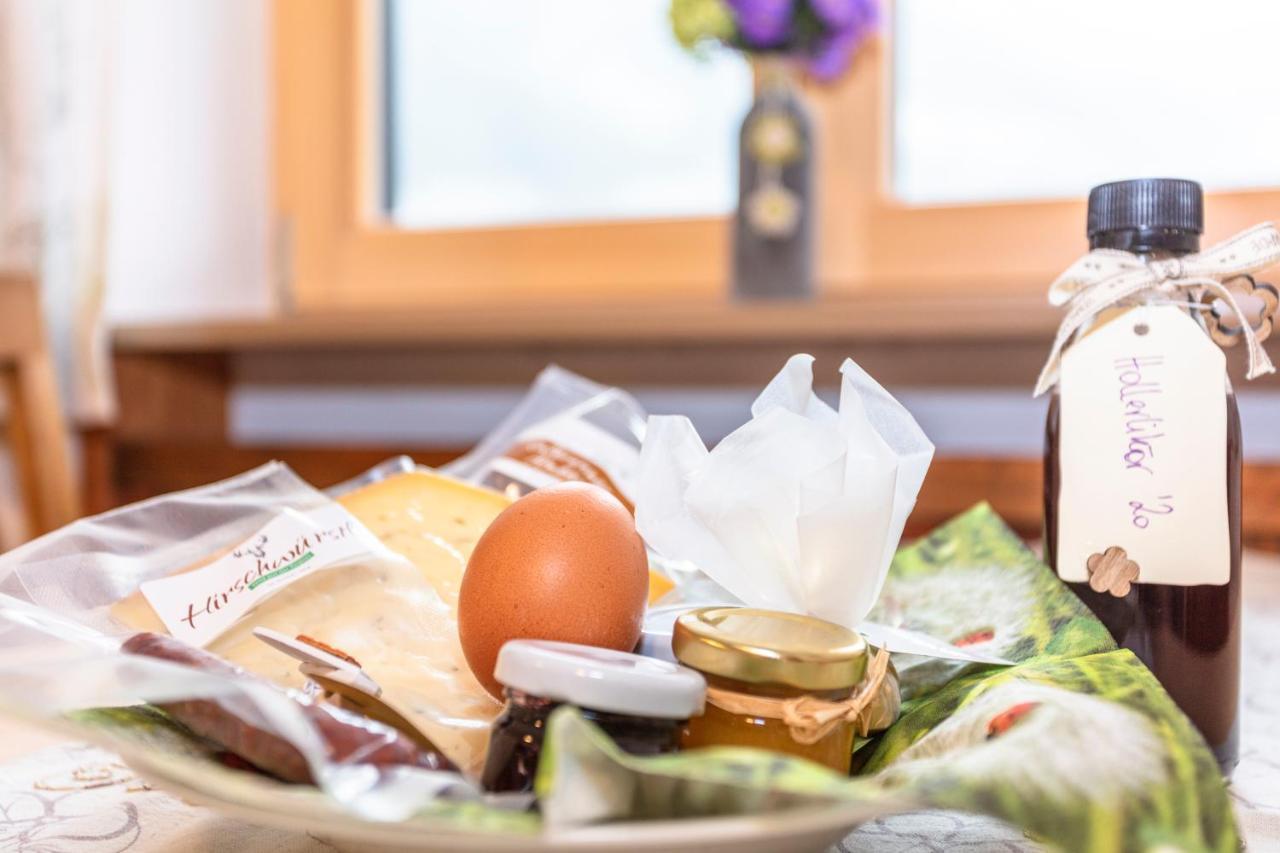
<point x="432" y="519"/>
<point x="659" y="586"/>
<point x="405" y="637"/>
<point x="397" y="617"/>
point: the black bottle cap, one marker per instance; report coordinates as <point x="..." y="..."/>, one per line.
<point x="1145" y="215"/>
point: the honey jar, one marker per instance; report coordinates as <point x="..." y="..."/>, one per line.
<point x="776" y="681"/>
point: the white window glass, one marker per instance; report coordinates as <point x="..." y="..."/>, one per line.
<point x="1015" y="99"/>
<point x="511" y="112"/>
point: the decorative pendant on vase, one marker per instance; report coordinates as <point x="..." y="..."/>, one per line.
<point x="774" y="227"/>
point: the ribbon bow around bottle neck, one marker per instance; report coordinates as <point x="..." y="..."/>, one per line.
<point x="1107" y="277"/>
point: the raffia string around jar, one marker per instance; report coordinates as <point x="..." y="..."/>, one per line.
<point x="786" y="682"/>
<point x="873" y="705"/>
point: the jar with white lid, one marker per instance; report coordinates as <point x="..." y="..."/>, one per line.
<point x="640" y="702"/>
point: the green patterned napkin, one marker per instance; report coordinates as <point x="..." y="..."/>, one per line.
<point x="1077" y="744"/>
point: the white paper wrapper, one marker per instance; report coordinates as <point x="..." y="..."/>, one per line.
<point x="800" y="509"/>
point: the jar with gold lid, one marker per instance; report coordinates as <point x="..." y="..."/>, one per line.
<point x="783" y="682"/>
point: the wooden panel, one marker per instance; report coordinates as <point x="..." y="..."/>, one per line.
<point x="143" y="470"/>
<point x="37" y="433"/>
<point x="39" y="442"/>
<point x="19" y="303"/>
<point x="167" y="396"/>
<point x="98" y="462"/>
<point x="1261" y="498"/>
<point x="1011" y="486"/>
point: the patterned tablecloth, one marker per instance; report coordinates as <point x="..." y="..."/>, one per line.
<point x="65" y="797"/>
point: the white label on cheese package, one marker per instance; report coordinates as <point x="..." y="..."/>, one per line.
<point x="198" y="606"/>
<point x="1142" y="453"/>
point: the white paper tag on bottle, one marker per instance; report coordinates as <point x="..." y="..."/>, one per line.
<point x="1142" y="450"/>
<point x="199" y="605"/>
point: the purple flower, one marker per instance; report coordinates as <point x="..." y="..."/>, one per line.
<point x="763" y="23"/>
<point x="845" y="14"/>
<point x="835" y="52"/>
<point x="849" y="23"/>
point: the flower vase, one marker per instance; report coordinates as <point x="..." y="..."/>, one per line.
<point x="774" y="227"/>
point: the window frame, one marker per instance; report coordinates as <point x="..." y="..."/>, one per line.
<point x="342" y="254"/>
<point x="345" y="254"/>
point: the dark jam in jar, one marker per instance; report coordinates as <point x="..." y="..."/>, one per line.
<point x="516" y="742"/>
<point x="1188" y="636"/>
<point x="643" y="704"/>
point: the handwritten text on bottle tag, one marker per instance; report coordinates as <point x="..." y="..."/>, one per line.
<point x="1142" y="449"/>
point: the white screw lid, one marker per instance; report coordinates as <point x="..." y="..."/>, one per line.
<point x="601" y="679"/>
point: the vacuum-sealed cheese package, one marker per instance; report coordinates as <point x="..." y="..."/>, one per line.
<point x="565" y="428"/>
<point x="372" y="576"/>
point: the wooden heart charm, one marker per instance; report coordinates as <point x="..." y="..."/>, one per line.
<point x="1225" y="327"/>
<point x="1112" y="571"/>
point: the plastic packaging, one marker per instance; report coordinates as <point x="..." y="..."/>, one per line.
<point x="69" y="599"/>
<point x="565" y="428"/>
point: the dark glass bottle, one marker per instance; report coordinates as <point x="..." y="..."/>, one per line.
<point x="1189" y="636"/>
<point x="773" y="232"/>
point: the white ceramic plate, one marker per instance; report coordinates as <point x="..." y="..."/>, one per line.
<point x="808" y="829"/>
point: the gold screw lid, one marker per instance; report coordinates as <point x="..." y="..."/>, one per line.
<point x="770" y="647"/>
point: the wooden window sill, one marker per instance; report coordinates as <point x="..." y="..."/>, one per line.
<point x="872" y="317"/>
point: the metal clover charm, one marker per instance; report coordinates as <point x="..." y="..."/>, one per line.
<point x="1225" y="327"/>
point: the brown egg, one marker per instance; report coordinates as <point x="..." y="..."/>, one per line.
<point x="562" y="563"/>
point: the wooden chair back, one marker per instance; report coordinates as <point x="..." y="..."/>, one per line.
<point x="38" y="439"/>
